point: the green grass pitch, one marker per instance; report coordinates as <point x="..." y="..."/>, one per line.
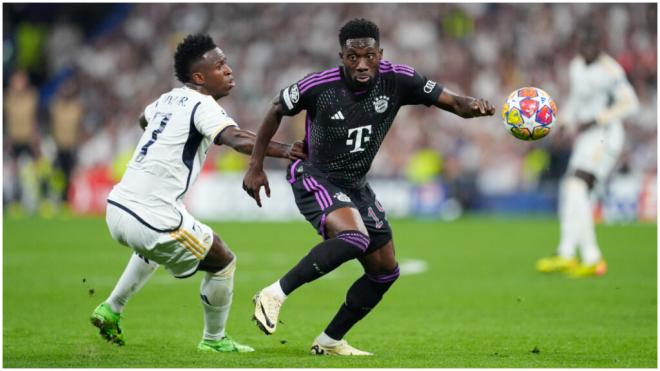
<point x="479" y="303"/>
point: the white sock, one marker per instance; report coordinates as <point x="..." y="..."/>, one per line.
<point x="326" y="340"/>
<point x="216" y="293"/>
<point x="589" y="251"/>
<point x="570" y="222"/>
<point x="276" y="290"/>
<point x="136" y="274"/>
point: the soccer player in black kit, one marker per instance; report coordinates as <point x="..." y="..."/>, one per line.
<point x="349" y="111"/>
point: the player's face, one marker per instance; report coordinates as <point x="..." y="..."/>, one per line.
<point x="218" y="77"/>
<point x="361" y="57"/>
<point x="589" y="47"/>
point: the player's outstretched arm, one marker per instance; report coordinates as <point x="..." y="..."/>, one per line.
<point x="255" y="178"/>
<point x="243" y="141"/>
<point x="464" y="106"/>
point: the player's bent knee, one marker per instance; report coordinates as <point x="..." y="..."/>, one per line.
<point x="227" y="272"/>
<point x="386" y="278"/>
<point x="587" y="177"/>
<point x="357" y="239"/>
<point x="575" y="184"/>
<point x="218" y="258"/>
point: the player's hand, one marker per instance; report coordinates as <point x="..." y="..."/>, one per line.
<point x="481" y="107"/>
<point x="297" y="151"/>
<point x="253" y="180"/>
<point x="584" y="126"/>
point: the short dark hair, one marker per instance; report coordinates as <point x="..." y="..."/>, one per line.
<point x="589" y="32"/>
<point x="188" y="51"/>
<point x="358" y="28"/>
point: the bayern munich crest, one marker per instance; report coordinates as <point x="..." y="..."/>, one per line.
<point x="341" y="196"/>
<point x="380" y="104"/>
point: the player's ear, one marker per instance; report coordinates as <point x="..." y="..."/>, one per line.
<point x="197" y="78"/>
<point x="381" y="52"/>
<point x="341" y="55"/>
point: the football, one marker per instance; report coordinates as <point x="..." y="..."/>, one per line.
<point x="529" y="113"/>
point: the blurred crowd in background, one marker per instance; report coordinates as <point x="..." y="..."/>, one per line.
<point x="77" y="76"/>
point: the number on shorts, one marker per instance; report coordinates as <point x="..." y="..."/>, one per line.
<point x="372" y="214"/>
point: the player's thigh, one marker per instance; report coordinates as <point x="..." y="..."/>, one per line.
<point x="597" y="151"/>
<point x="374" y="217"/>
<point x="129" y="231"/>
<point x="180" y="251"/>
<point x="346" y="218"/>
<point x="324" y="205"/>
<point x="184" y="249"/>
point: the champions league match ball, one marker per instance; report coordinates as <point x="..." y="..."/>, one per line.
<point x="529" y="113"/>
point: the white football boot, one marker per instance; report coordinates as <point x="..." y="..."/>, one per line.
<point x="266" y="311"/>
<point x="341" y="349"/>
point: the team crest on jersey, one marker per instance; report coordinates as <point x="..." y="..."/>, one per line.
<point x="341" y="196"/>
<point x="294" y="93"/>
<point x="381" y="103"/>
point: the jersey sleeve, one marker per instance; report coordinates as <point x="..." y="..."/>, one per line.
<point x="292" y="101"/>
<point x="416" y="88"/>
<point x="150" y="111"/>
<point x="211" y="119"/>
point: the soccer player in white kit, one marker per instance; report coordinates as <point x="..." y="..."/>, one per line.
<point x="145" y="210"/>
<point x="600" y="98"/>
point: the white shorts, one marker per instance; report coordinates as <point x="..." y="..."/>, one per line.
<point x="597" y="150"/>
<point x="179" y="251"/>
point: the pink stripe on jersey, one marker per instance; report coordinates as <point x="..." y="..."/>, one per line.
<point x="397" y="71"/>
<point x="386" y="66"/>
<point x="315" y="75"/>
<point x="316" y="79"/>
<point x="319" y="83"/>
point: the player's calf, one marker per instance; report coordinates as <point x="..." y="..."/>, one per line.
<point x="324" y="258"/>
<point x="361" y="298"/>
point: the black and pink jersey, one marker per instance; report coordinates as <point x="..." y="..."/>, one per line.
<point x="345" y="128"/>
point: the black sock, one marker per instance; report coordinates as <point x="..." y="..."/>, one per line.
<point x="363" y="296"/>
<point x="324" y="258"/>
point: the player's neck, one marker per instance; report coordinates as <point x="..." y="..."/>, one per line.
<point x="197" y="88"/>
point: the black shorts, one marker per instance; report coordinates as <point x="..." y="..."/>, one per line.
<point x="316" y="197"/>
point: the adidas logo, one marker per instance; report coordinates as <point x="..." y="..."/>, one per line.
<point x="337" y="116"/>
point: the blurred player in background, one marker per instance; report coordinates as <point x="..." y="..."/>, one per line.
<point x="21" y="100"/>
<point x="600" y="98"/>
<point x="349" y="111"/>
<point x="145" y="210"/>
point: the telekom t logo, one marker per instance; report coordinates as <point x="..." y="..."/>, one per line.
<point x="359" y="138"/>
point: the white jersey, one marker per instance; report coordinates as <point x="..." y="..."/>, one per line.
<point x="182" y="124"/>
<point x="599" y="91"/>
